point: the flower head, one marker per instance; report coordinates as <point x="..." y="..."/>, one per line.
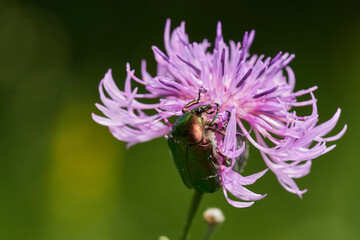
<point x="255" y="97"/>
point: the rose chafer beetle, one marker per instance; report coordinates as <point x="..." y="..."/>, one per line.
<point x="193" y="146"/>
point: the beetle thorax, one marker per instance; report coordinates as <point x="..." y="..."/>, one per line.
<point x="188" y="129"/>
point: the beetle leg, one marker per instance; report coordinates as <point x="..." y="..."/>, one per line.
<point x="206" y="108"/>
<point x="192" y="103"/>
<point x="215" y="116"/>
<point x="227" y="121"/>
<point x="227" y="160"/>
<point x="215" y="130"/>
<point x="214" y="159"/>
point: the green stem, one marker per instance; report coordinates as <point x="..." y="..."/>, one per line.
<point x="209" y="231"/>
<point x="191" y="214"/>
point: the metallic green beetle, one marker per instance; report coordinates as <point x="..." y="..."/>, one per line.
<point x="193" y="147"/>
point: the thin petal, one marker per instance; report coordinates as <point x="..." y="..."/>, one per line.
<point x="236" y="204"/>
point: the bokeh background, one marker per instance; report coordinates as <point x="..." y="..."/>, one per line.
<point x="62" y="176"/>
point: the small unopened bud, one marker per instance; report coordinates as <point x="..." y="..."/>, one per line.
<point x="214" y="216"/>
<point x="163" y="238"/>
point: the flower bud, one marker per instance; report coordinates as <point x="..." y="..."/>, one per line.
<point x="163" y="238"/>
<point x="214" y="216"/>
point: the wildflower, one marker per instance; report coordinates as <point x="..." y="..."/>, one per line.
<point x="255" y="97"/>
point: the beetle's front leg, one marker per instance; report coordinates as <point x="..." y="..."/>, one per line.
<point x="192" y="103"/>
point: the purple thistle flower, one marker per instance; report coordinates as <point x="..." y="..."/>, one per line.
<point x="249" y="89"/>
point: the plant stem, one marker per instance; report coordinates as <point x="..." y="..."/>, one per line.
<point x="209" y="231"/>
<point x="191" y="214"/>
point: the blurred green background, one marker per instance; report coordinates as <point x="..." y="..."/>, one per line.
<point x="62" y="176"/>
